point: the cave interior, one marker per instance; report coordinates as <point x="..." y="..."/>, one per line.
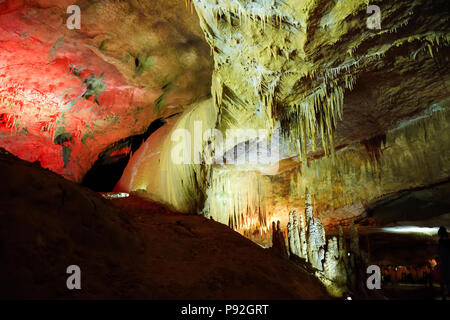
<point x="224" y="149"/>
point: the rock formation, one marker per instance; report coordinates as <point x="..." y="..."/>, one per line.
<point x="343" y="263"/>
<point x="303" y="242"/>
<point x="315" y="235"/>
<point x="359" y="115"/>
<point x="337" y="268"/>
<point x="331" y="262"/>
<point x="293" y="235"/>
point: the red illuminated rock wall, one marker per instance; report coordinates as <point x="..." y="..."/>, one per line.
<point x="64" y="94"/>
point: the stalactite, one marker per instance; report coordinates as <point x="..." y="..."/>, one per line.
<point x="260" y="86"/>
<point x="239" y="196"/>
<point x="364" y="172"/>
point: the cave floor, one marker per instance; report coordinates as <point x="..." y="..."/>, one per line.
<point x="127" y="248"/>
<point x="210" y="260"/>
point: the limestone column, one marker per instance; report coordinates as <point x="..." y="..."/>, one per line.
<point x="315" y="235"/>
<point x="303" y="242"/>
<point x="293" y="234"/>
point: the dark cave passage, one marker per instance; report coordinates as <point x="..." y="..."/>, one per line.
<point x="109" y="167"/>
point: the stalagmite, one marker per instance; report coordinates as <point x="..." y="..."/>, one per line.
<point x="308" y="207"/>
<point x="332" y="260"/>
<point x="282" y="240"/>
<point x="315" y="235"/>
<point x="293" y="234"/>
<point x="303" y="243"/>
<point x="356" y="272"/>
<point x="275" y="240"/>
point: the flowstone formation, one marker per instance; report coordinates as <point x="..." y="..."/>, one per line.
<point x="237" y="198"/>
<point x="338" y="269"/>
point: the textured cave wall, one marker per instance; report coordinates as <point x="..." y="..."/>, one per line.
<point x="414" y="155"/>
<point x="294" y="63"/>
<point x="66" y="95"/>
<point x="354" y="184"/>
<point x="314" y="70"/>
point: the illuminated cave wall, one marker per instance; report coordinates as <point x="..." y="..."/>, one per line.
<point x="415" y="154"/>
<point x="315" y="71"/>
<point x="361" y="111"/>
<point x="66" y="95"/>
<point x="294" y="64"/>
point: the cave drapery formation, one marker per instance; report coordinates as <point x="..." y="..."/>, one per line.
<point x="357" y="113"/>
